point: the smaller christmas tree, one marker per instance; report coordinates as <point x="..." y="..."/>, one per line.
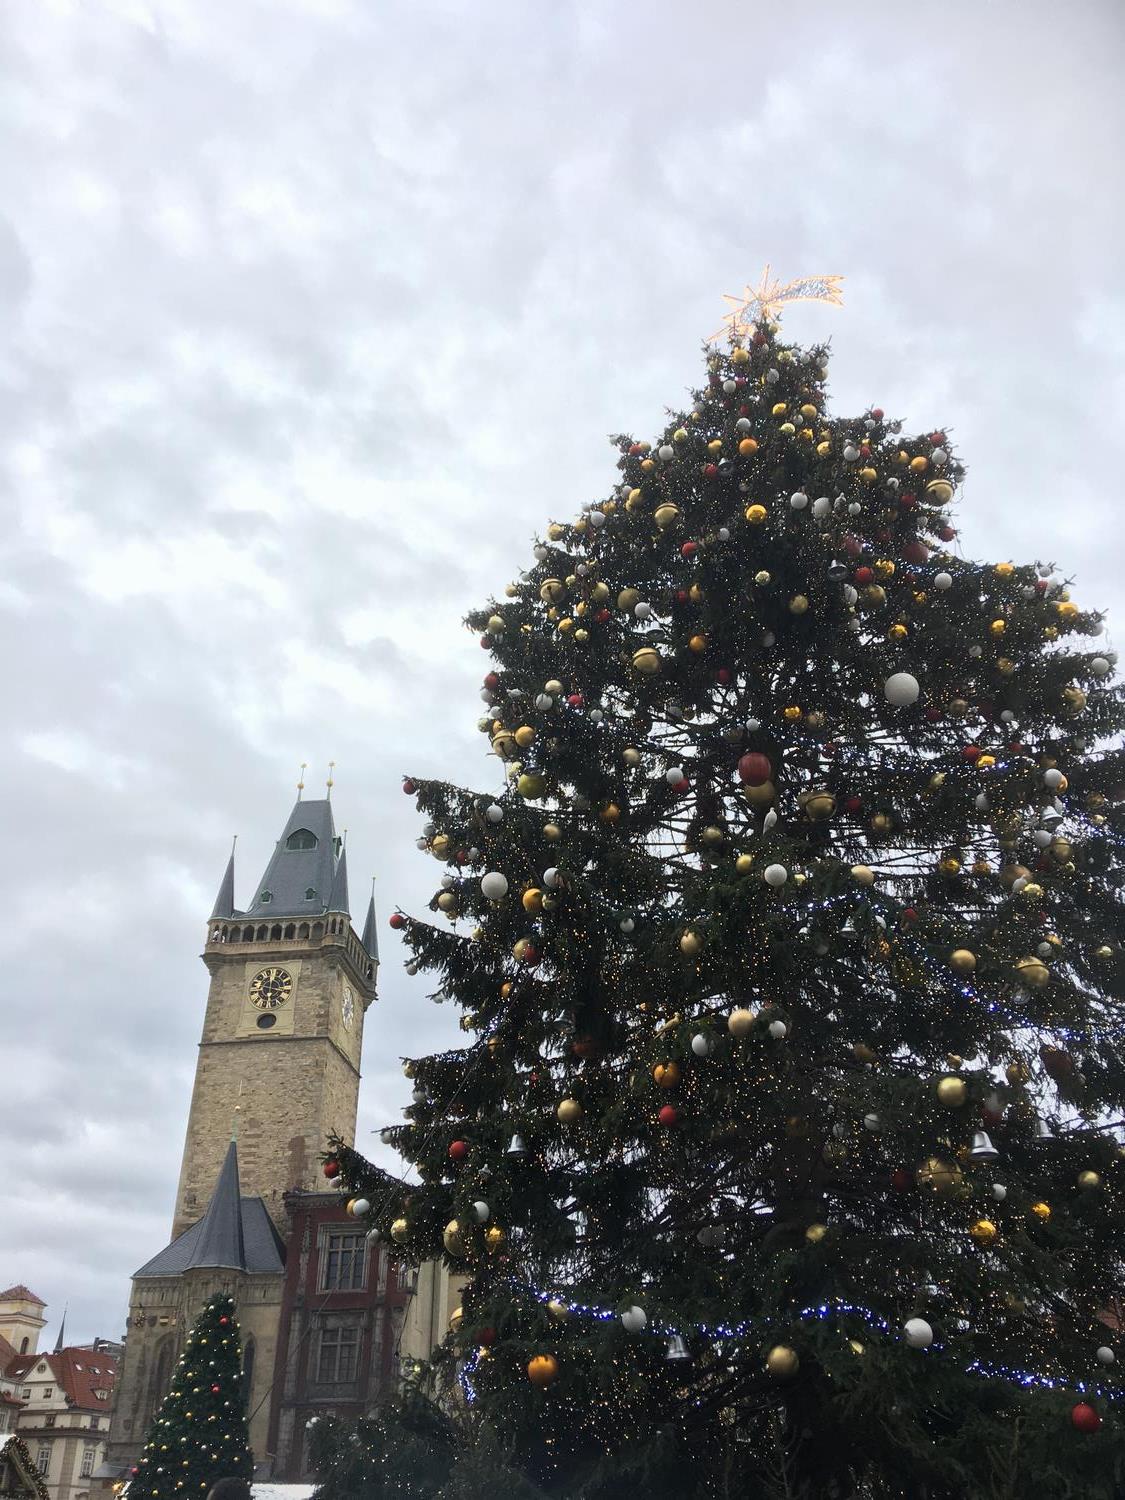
<point x="199" y="1434"/>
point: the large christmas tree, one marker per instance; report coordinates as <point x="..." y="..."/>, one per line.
<point x="199" y="1435"/>
<point x="780" y="1158"/>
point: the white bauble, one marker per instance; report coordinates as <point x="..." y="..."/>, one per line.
<point x="627" y="926"/>
<point x="1007" y="716"/>
<point x="1105" y="1355"/>
<point x="769" y="820"/>
<point x="494" y="885"/>
<point x="854" y="508"/>
<point x="851" y="453"/>
<point x="1042" y="837"/>
<point x="481" y="1210"/>
<point x="939" y="457"/>
<point x="980" y="802"/>
<point x="821" y="506"/>
<point x="798" y="500"/>
<point x="634" y="1320"/>
<point x="918" y="1333"/>
<point x="775" y="875"/>
<point x="943" y="581"/>
<point x="494" y="812"/>
<point x="446" y="882"/>
<point x="753" y="725"/>
<point x="360" y="1207"/>
<point x="743" y="424"/>
<point x="596" y="716"/>
<point x="872" y="1122"/>
<point x="851" y="594"/>
<point x="666" y="453"/>
<point x="674" y="775"/>
<point x="729" y="387"/>
<point x="778" y="1029"/>
<point x="901" y="689"/>
<point x="999" y="1191"/>
<point x="723" y="533"/>
<point x="541" y="552"/>
<point x="551" y="878"/>
<point x="1053" y="778"/>
<point x="1100" y="668"/>
<point x="976" y="651"/>
<point x="596" y="519"/>
<point x="701" y="1045"/>
<point x="544" y="701"/>
<point x="642" y="610"/>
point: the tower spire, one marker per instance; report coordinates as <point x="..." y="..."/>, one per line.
<point x="370" y="938"/>
<point x="60" y="1342"/>
<point x="224" y="901"/>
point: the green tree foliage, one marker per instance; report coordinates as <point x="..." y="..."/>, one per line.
<point x="199" y="1434"/>
<point x="779" y="1158"/>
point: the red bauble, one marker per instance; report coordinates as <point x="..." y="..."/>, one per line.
<point x="1084" y="1417"/>
<point x="932" y="715"/>
<point x="864" y="576"/>
<point x="916" y="551"/>
<point x="937" y="438"/>
<point x="723" y="674"/>
<point x="486" y="1336"/>
<point x="223" y="1321"/>
<point x="744" y="410"/>
<point x="134" y="1471"/>
<point x="1015" y="747"/>
<point x="901" y="1180"/>
<point x="865" y="450"/>
<point x="396" y="920"/>
<point x="908" y="501"/>
<point x="710" y="470"/>
<point x="531" y="954"/>
<point x="853" y="546"/>
<point x="331" y="1169"/>
<point x="575" y="700"/>
<point x="458" y="1150"/>
<point x="215" y="1389"/>
<point x="853" y="805"/>
<point x="634" y="450"/>
<point x="970" y="752"/>
<point x="681" y="596"/>
<point x="946" y="532"/>
<point x="877" y="413"/>
<point x="689" y="549"/>
<point x="1040" y="585"/>
<point x="492" y="681"/>
<point x="909" y="914"/>
<point x="408" y="787"/>
<point x="668" y="1115"/>
<point x="602" y="616"/>
<point x="754" y="768"/>
<point x="682" y="786"/>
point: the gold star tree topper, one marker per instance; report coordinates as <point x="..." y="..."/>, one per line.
<point x="769" y="297"/>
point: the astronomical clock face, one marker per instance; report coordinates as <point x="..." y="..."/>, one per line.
<point x="347" y="1008"/>
<point x="270" y="988"/>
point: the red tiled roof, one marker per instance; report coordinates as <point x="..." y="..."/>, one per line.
<point x="7" y="1353"/>
<point x="7" y="1399"/>
<point x="20" y="1293"/>
<point x="79" y="1372"/>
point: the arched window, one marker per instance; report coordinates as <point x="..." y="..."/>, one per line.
<point x="301" y="838"/>
<point x="275" y="932"/>
<point x="161" y="1372"/>
<point x="263" y="934"/>
<point x="23" y="1346"/>
<point x="310" y="893"/>
<point x="290" y="930"/>
<point x="318" y="929"/>
<point x="247" y="1370"/>
<point x="247" y="934"/>
<point x="303" y="930"/>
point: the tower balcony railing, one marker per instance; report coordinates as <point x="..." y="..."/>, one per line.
<point x="328" y="930"/>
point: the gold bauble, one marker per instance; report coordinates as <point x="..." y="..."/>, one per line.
<point x="779" y="409"/>
<point x="740" y="1022"/>
<point x="1104" y="951"/>
<point x="712" y="835"/>
<point x="715" y="447"/>
<point x="400" y="1230"/>
<point x="1061" y="849"/>
<point x="439" y="844"/>
<point x="1041" y="1210"/>
<point x="447" y="901"/>
<point x="950" y="866"/>
<point x="532" y="900"/>
<point x="634" y="500"/>
<point x="552" y="590"/>
<point x="531" y="784"/>
<point x="566" y="626"/>
<point x="747" y="447"/>
<point x="952" y="1092"/>
<point x="745" y="863"/>
<point x="984" y="1231"/>
<point x="863" y="874"/>
<point x="581" y="636"/>
<point x="897" y="633"/>
<point x="875" y="593"/>
<point x="646" y="661"/>
<point x="631" y="755"/>
<point x="453" y="1238"/>
<point x="798" y="605"/>
<point x="740" y="357"/>
<point x="698" y="644"/>
<point x="881" y="823"/>
<point x="525" y="736"/>
<point x="1089" y="1179"/>
<point x="627" y="599"/>
<point x="558" y="1310"/>
<point x="939" y="492"/>
<point x="823" y="449"/>
<point x="1033" y="972"/>
<point x="666" y="515"/>
<point x="1003" y="570"/>
<point x="569" y="1111"/>
<point x="998" y="627"/>
<point x="819" y="805"/>
<point x="808" y="411"/>
<point x="1067" y="609"/>
<point x="762" y="577"/>
<point x="1017" y="1073"/>
<point x="962" y="960"/>
<point x="782" y="1362"/>
<point x="868" y="475"/>
<point x="552" y="832"/>
<point x="942" y="1177"/>
<point x="792" y="713"/>
<point x="456" y="1318"/>
<point x="1009" y="874"/>
<point x="760" y="795"/>
<point x="756" y="514"/>
<point x="815" y="1233"/>
<point x="542" y="1370"/>
<point x="648" y="465"/>
<point x="666" y="1075"/>
<point x="864" y="1054"/>
<point x="690" y="944"/>
<point x="610" y="813"/>
<point x="496" y="623"/>
<point x="787" y="428"/>
<point x="1032" y="890"/>
<point x="695" y="594"/>
<point x="918" y="463"/>
<point x="855" y="1346"/>
<point x="494" y="1237"/>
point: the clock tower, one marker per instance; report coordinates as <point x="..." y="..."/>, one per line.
<point x="291" y="982"/>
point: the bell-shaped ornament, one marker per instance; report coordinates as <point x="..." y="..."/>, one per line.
<point x="1043" y="1132"/>
<point x="677" y="1349"/>
<point x="982" y="1148"/>
<point x="517" y="1147"/>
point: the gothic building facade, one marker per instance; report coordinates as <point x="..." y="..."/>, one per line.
<point x="322" y="1312"/>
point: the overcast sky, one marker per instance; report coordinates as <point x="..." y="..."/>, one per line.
<point x="314" y="311"/>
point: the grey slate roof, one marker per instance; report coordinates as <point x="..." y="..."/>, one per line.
<point x="292" y="872"/>
<point x="224" y="901"/>
<point x="338" y="900"/>
<point x="235" y="1233"/>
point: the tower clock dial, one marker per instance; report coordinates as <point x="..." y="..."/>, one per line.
<point x="270" y="988"/>
<point x="347" y="1008"/>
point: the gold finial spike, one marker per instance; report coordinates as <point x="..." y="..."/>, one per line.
<point x="301" y="779"/>
<point x="769" y="298"/>
<point x="330" y="783"/>
<point x="345" y="838"/>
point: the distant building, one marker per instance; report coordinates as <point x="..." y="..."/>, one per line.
<point x="57" y="1404"/>
<point x="322" y="1313"/>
